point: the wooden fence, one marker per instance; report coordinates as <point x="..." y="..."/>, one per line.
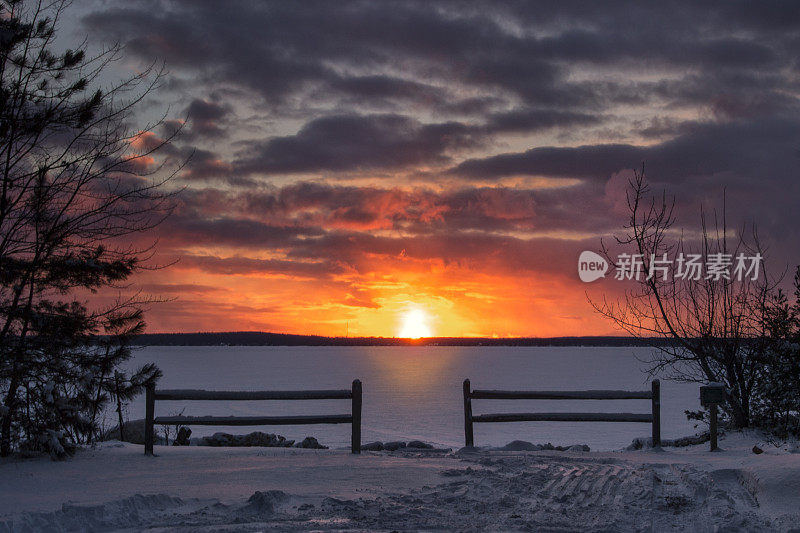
<point x="354" y="418"/>
<point x="654" y="417"/>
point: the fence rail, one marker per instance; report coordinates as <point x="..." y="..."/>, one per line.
<point x="252" y="420"/>
<point x="354" y="418"/>
<point x="561" y="395"/>
<point x="189" y="394"/>
<point x="654" y="417"/>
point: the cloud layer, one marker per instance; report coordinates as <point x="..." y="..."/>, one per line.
<point x="350" y="159"/>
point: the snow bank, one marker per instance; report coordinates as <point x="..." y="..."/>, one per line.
<point x="205" y="489"/>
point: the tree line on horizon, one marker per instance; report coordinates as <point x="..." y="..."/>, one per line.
<point x="258" y="338"/>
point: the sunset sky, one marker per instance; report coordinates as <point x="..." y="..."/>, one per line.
<point x="354" y="162"/>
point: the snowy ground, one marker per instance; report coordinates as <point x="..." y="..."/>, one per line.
<point x="252" y="489"/>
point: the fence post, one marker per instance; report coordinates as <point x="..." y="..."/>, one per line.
<point x="150" y="407"/>
<point x="656" y="388"/>
<point x="713" y="427"/>
<point x="355" y="439"/>
<point x="468" y="436"/>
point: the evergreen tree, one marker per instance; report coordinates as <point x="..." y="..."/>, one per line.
<point x="777" y="402"/>
<point x="74" y="186"/>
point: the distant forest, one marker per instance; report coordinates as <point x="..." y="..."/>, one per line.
<point x="256" y="338"/>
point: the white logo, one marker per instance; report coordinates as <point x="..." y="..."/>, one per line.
<point x="591" y="266"/>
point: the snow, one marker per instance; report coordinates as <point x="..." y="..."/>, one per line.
<point x="116" y="487"/>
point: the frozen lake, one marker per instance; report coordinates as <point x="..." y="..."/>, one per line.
<point x="415" y="392"/>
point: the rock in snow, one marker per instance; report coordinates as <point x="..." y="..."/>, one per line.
<point x="521" y="446"/>
<point x="524" y="446"/>
<point x="256" y="438"/>
<point x="414" y="445"/>
<point x="310" y="442"/>
<point x="578" y="448"/>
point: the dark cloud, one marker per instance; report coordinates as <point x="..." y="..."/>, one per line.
<point x="385" y="90"/>
<point x="363" y="142"/>
<point x="247" y="266"/>
<point x="355" y="142"/>
<point x="179" y="288"/>
<point x="752" y="149"/>
<point x="590" y="161"/>
<point x="207" y="119"/>
<point x="203" y="165"/>
<point x="661" y="127"/>
<point x="280" y="49"/>
<point x="190" y="230"/>
<point x="528" y="120"/>
<point x="514" y="68"/>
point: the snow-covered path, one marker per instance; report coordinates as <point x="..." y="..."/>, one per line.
<point x="228" y="474"/>
<point x="248" y="489"/>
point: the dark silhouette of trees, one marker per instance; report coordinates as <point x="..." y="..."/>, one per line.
<point x="717" y="325"/>
<point x="777" y="403"/>
<point x="76" y="185"/>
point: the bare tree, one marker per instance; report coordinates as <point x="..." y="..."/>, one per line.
<point x="714" y="321"/>
<point x="77" y="180"/>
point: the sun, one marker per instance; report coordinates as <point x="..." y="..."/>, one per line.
<point x="415" y="325"/>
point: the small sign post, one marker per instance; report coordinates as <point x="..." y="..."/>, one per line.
<point x="711" y="396"/>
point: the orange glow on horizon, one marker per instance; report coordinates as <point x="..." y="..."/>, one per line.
<point x="398" y="298"/>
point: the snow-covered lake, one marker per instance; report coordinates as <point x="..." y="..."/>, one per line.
<point x="415" y="392"/>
